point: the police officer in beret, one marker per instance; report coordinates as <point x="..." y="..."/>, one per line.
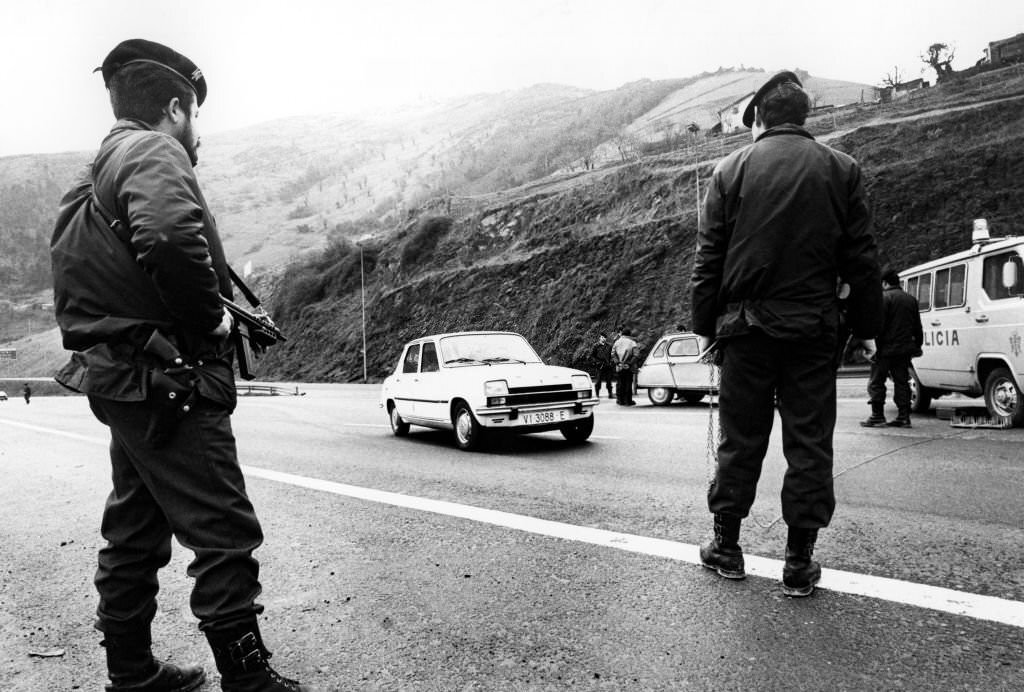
<point x="785" y="218"/>
<point x="139" y="269"/>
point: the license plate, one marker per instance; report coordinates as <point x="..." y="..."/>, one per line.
<point x="545" y="417"/>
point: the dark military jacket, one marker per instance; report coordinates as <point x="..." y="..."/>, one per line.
<point x="161" y="266"/>
<point x="901" y="333"/>
<point x="783" y="219"/>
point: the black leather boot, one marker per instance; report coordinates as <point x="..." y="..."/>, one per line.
<point x="242" y="661"/>
<point x="800" y="573"/>
<point x="132" y="668"/>
<point x="723" y="553"/>
<point x="902" y="420"/>
<point x="877" y="417"/>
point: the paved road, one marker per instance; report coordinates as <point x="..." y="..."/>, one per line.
<point x="402" y="564"/>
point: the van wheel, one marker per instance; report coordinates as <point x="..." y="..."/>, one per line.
<point x="660" y="396"/>
<point x="920" y="397"/>
<point x="1003" y="398"/>
<point x="469" y="435"/>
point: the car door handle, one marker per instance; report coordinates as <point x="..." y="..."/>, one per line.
<point x="981" y="318"/>
<point x="936" y="323"/>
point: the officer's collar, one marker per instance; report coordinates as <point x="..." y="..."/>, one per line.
<point x="785" y="129"/>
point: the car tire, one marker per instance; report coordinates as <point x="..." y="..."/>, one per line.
<point x="1003" y="398"/>
<point x="469" y="435"/>
<point x="578" y="431"/>
<point x="398" y="426"/>
<point x="693" y="397"/>
<point x="920" y="397"/>
<point x="660" y="396"/>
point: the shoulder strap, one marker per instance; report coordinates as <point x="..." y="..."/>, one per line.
<point x="249" y="295"/>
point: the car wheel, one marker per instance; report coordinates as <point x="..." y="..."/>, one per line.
<point x="1003" y="398"/>
<point x="660" y="396"/>
<point x="398" y="426"/>
<point x="578" y="430"/>
<point x="692" y="397"/>
<point x="920" y="397"/>
<point x="469" y="435"/>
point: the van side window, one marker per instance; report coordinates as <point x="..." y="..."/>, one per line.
<point x="924" y="292"/>
<point x="949" y="287"/>
<point x="911" y="286"/>
<point x="992" y="276"/>
<point x="659" y="350"/>
<point x="412" y="359"/>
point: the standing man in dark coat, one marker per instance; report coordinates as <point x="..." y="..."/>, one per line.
<point x="899" y="340"/>
<point x="138" y="271"/>
<point x="784" y="219"/>
<point x="601" y="355"/>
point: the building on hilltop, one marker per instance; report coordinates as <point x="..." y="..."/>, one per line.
<point x="1006" y="51"/>
<point x="731" y="117"/>
<point x="890" y="93"/>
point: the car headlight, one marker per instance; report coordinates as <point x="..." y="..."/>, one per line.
<point x="496" y="388"/>
<point x="582" y="382"/>
<point x="496" y="391"/>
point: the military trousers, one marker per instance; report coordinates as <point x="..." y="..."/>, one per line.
<point x="756" y="372"/>
<point x="898" y="369"/>
<point x="190" y="487"/>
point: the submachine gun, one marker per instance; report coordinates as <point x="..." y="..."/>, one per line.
<point x="254" y="332"/>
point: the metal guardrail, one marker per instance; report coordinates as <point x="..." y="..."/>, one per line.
<point x="246" y="389"/>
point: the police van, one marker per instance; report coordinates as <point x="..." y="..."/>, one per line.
<point x="972" y="314"/>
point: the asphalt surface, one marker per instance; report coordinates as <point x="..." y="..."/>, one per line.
<point x="366" y="590"/>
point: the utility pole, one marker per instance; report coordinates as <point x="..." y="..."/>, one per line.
<point x="362" y="301"/>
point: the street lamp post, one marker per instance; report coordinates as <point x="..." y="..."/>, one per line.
<point x="362" y="301"/>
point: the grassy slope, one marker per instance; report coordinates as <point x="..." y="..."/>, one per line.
<point x="561" y="261"/>
<point x="565" y="257"/>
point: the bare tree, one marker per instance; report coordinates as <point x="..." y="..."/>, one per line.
<point x="894" y="77"/>
<point x="940" y="58"/>
<point x="627" y="144"/>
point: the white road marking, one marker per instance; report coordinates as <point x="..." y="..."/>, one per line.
<point x="59" y="433"/>
<point x="937" y="598"/>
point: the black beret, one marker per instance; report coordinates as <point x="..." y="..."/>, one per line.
<point x="140" y="50"/>
<point x="780" y="78"/>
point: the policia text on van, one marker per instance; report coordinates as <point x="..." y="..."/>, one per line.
<point x="972" y="312"/>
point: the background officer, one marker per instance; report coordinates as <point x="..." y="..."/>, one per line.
<point x="784" y="219"/>
<point x="899" y="340"/>
<point x="137" y="261"/>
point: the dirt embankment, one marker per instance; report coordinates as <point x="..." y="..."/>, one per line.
<point x="565" y="261"/>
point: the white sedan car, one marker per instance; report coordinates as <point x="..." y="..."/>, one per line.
<point x="474" y="383"/>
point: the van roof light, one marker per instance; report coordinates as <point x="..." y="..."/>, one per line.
<point x="980" y="233"/>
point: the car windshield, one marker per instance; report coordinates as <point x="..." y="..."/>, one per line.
<point x="477" y="349"/>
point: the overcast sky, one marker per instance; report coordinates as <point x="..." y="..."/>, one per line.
<point x="266" y="59"/>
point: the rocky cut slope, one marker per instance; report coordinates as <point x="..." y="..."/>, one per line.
<point x="560" y="261"/>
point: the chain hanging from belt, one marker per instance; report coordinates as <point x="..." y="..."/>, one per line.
<point x="714" y="420"/>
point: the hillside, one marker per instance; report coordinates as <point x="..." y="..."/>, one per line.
<point x="284" y="187"/>
<point x="562" y="259"/>
<point x="581" y="248"/>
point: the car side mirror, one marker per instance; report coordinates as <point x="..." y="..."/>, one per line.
<point x="1010" y="277"/>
